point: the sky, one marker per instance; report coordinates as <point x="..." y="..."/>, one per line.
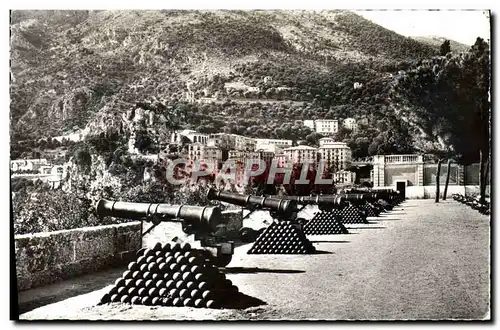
<point x="460" y="25"/>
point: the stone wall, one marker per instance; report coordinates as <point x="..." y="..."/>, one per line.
<point x="45" y="258"/>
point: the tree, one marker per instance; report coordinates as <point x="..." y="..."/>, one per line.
<point x="449" y="99"/>
<point x="445" y="48"/>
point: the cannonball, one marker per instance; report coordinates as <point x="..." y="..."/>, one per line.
<point x="173" y="293"/>
<point x="203" y="286"/>
<point x="195" y="270"/>
<point x="153" y="267"/>
<point x="140" y="283"/>
<point x="180" y="284"/>
<point x="162" y="292"/>
<point x="106" y="298"/>
<point x="184" y="293"/>
<point x="149" y="284"/>
<point x="150" y="259"/>
<point x="174" y="267"/>
<point x="147" y="275"/>
<point x="176" y="247"/>
<point x="121" y="290"/>
<point x="207" y="294"/>
<point x="166" y="248"/>
<point x="186" y="247"/>
<point x="115" y="298"/>
<point x="157" y="247"/>
<point x="133" y="291"/>
<point x="181" y="260"/>
<point x="140" y="252"/>
<point x="127" y="274"/>
<point x="146" y="301"/>
<point x="153" y="292"/>
<point x="195" y="294"/>
<point x="159" y="254"/>
<point x="120" y="282"/>
<point x="194" y="261"/>
<point x="167" y="276"/>
<point x="177" y="302"/>
<point x="155" y="277"/>
<point x="143" y="267"/>
<point x="177" y="276"/>
<point x="178" y="254"/>
<point x="133" y="266"/>
<point x="188" y="302"/>
<point x="167" y="301"/>
<point x="187" y="276"/>
<point x="142" y="292"/>
<point x="191" y="285"/>
<point x="160" y="260"/>
<point x="199" y="303"/>
<point x="113" y="290"/>
<point x="136" y="275"/>
<point x="148" y="253"/>
<point x="155" y="301"/>
<point x="199" y="277"/>
<point x="125" y="299"/>
<point x="169" y="260"/>
<point x="170" y="284"/>
<point x="211" y="304"/>
<point x="135" y="300"/>
<point x="183" y="268"/>
<point x="129" y="283"/>
<point x="162" y="267"/>
<point x="160" y="283"/>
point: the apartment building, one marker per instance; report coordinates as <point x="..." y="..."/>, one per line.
<point x="193" y="136"/>
<point x="323" y="126"/>
<point x="301" y="154"/>
<point x="272" y="145"/>
<point x="336" y="154"/>
<point x="351" y="124"/>
<point x="200" y="152"/>
<point x="232" y="141"/>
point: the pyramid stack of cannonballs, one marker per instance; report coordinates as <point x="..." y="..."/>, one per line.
<point x="369" y="210"/>
<point x="282" y="237"/>
<point x="473" y="202"/>
<point x="350" y="214"/>
<point x="173" y="275"/>
<point x="325" y="223"/>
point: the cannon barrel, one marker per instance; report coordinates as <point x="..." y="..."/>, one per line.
<point x="197" y="216"/>
<point x="283" y="206"/>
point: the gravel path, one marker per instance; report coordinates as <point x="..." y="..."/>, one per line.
<point x="421" y="261"/>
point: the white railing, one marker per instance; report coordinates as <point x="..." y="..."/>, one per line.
<point x="402" y="158"/>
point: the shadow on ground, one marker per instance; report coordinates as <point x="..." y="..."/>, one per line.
<point x="34" y="298"/>
<point x="243" y="270"/>
<point x="243" y="301"/>
<point x="330" y="241"/>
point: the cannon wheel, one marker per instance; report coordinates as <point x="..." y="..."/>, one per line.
<point x="222" y="260"/>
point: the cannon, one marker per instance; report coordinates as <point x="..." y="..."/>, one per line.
<point x="279" y="209"/>
<point x="202" y="222"/>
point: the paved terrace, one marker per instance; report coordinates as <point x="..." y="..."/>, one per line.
<point x="421" y="261"/>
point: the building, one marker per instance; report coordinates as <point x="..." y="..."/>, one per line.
<point x="232" y="141"/>
<point x="336" y="154"/>
<point x="325" y="141"/>
<point x="351" y="124"/>
<point x="344" y="177"/>
<point x="323" y="126"/>
<point x="272" y="145"/>
<point x="31" y="165"/>
<point x="200" y="152"/>
<point x="266" y="156"/>
<point x="301" y="154"/>
<point x="193" y="136"/>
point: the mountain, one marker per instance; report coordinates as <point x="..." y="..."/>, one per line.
<point x="435" y="41"/>
<point x="265" y="70"/>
